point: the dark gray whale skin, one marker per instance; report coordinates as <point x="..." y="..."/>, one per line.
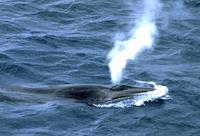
<point x="90" y="93"/>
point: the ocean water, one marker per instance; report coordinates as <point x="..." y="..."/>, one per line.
<point x="52" y="42"/>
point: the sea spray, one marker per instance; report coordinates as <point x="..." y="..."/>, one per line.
<point x="142" y="37"/>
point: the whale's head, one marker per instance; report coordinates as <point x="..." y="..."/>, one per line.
<point x="123" y="92"/>
<point x="112" y="94"/>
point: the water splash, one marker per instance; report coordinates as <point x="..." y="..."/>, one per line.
<point x="142" y="37"/>
<point x="160" y="92"/>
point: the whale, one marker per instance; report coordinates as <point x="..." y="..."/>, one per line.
<point x="89" y="93"/>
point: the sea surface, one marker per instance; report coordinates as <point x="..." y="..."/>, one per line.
<point x="55" y="42"/>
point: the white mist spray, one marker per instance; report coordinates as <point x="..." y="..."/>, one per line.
<point x="142" y="37"/>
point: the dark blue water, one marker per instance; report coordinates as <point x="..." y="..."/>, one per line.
<point x="49" y="42"/>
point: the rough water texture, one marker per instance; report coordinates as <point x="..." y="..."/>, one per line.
<point x="45" y="42"/>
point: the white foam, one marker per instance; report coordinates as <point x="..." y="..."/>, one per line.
<point x="160" y="92"/>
